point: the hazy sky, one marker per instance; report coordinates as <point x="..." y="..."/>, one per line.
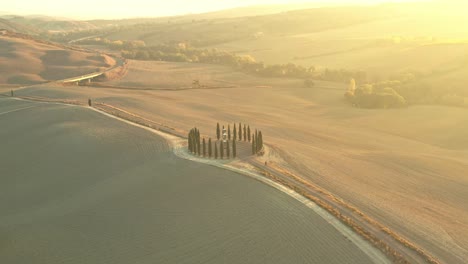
<point x="86" y="9"/>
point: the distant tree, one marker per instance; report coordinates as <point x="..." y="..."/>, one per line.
<point x="193" y="139"/>
<point x="218" y="131"/>
<point x="216" y="150"/>
<point x="240" y="132"/>
<point x="308" y="83"/>
<point x="253" y="146"/>
<point x="198" y="143"/>
<point x="194" y="142"/>
<point x="196" y="84"/>
<point x="349" y="95"/>
<point x="190" y="141"/>
<point x="245" y="133"/>
<point x="234" y="149"/>
<point x="256" y="137"/>
<point x="260" y="140"/>
<point x="209" y="148"/>
<point x="229" y="132"/>
<point x="221" y="149"/>
<point x="228" y="152"/>
<point x="190" y="146"/>
<point x="204" y="148"/>
<point x="248" y="132"/>
<point x="352" y="85"/>
<point x="234" y="132"/>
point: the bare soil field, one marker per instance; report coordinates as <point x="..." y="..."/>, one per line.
<point x="153" y="75"/>
<point x="407" y="168"/>
<point x="26" y="61"/>
<point x="108" y="192"/>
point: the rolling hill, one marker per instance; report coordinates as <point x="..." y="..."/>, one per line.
<point x="26" y="60"/>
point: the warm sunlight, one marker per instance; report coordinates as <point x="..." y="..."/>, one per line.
<point x="234" y="132"/>
<point x="90" y="9"/>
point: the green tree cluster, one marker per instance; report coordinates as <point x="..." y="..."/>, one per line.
<point x="194" y="141"/>
<point x="257" y="142"/>
<point x="374" y="96"/>
<point x="185" y="53"/>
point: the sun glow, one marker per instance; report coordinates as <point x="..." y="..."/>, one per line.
<point x="89" y="9"/>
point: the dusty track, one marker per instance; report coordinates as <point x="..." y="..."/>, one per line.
<point x="395" y="247"/>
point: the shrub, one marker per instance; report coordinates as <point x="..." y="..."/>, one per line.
<point x="309" y="83"/>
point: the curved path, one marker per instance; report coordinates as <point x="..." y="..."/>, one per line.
<point x="78" y="187"/>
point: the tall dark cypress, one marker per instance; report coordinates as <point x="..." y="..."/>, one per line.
<point x="221" y="149"/>
<point x="248" y="132"/>
<point x="256" y="138"/>
<point x="228" y="151"/>
<point x="260" y="139"/>
<point x="198" y="143"/>
<point x="218" y="131"/>
<point x="234" y="131"/>
<point x="229" y="132"/>
<point x="240" y="132"/>
<point x="245" y="133"/>
<point x="194" y="144"/>
<point x="234" y="149"/>
<point x="216" y="150"/>
<point x="209" y="148"/>
<point x="253" y="146"/>
<point x="190" y="141"/>
<point x="204" y="148"/>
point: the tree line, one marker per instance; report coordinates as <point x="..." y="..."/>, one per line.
<point x="183" y="52"/>
<point x="226" y="147"/>
<point x="243" y="133"/>
<point x="198" y="146"/>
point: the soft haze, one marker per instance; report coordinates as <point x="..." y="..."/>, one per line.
<point x="88" y="9"/>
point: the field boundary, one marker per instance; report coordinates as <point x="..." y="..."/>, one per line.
<point x="176" y="138"/>
<point x="384" y="247"/>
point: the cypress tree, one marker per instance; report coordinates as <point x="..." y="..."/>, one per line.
<point x="253" y="146"/>
<point x="228" y="151"/>
<point x="260" y="140"/>
<point x="221" y="149"/>
<point x="234" y="131"/>
<point x="194" y="144"/>
<point x="245" y="133"/>
<point x="248" y="132"/>
<point x="240" y="132"/>
<point x="218" y="132"/>
<point x="229" y="132"/>
<point x="209" y="148"/>
<point x="234" y="150"/>
<point x="190" y="141"/>
<point x="216" y="150"/>
<point x="198" y="143"/>
<point x="204" y="148"/>
<point x="256" y="138"/>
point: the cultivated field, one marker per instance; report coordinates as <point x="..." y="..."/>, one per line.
<point x="405" y="167"/>
<point x="79" y="187"/>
